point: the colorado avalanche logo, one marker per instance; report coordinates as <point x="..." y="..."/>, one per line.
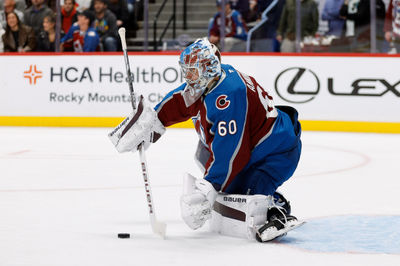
<point x="221" y="102"/>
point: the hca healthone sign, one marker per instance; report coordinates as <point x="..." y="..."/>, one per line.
<point x="331" y="88"/>
<point x="82" y="85"/>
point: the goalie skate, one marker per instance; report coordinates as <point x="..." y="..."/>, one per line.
<point x="277" y="227"/>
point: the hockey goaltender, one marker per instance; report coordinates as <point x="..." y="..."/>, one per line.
<point x="247" y="147"/>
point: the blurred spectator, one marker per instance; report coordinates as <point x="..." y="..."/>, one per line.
<point x="19" y="5"/>
<point x="46" y="38"/>
<point x="380" y="24"/>
<point x="83" y="5"/>
<point x="273" y="18"/>
<point x="263" y="4"/>
<point x="83" y="37"/>
<point x="68" y="15"/>
<point x="2" y="31"/>
<point x="9" y="6"/>
<point x="120" y="10"/>
<point x="263" y="37"/>
<point x="286" y="33"/>
<point x="28" y="3"/>
<point x="34" y="15"/>
<point x="242" y="6"/>
<point x="132" y="25"/>
<point x="331" y="13"/>
<point x="18" y="36"/>
<point x="249" y="9"/>
<point x="254" y="12"/>
<point x="52" y="4"/>
<point x="106" y="25"/>
<point x="235" y="28"/>
<point x="358" y="23"/>
<point x="131" y="6"/>
<point x="392" y="26"/>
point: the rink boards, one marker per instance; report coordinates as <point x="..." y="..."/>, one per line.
<point x="331" y="92"/>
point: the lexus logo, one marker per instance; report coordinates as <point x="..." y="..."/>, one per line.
<point x="297" y="85"/>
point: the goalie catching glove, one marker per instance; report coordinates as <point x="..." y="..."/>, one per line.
<point x="141" y="126"/>
<point x="198" y="197"/>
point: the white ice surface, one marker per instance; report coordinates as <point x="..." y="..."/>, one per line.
<point x="65" y="194"/>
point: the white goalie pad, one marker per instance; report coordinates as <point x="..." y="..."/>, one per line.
<point x="142" y="126"/>
<point x="239" y="215"/>
<point x="196" y="201"/>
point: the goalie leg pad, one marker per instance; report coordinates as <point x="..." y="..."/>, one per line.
<point x="239" y="215"/>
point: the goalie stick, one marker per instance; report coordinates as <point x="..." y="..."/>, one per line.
<point x="157" y="226"/>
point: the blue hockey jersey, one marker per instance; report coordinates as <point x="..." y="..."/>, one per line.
<point x="237" y="122"/>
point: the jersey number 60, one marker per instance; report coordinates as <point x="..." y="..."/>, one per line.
<point x="225" y="128"/>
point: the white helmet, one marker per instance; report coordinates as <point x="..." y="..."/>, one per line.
<point x="200" y="63"/>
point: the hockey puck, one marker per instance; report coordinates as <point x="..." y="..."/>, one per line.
<point x="124" y="235"/>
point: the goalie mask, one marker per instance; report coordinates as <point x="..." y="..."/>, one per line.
<point x="200" y="64"/>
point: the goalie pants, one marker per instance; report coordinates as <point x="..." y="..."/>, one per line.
<point x="278" y="165"/>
